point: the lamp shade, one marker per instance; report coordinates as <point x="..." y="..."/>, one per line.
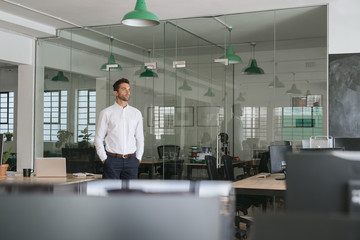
<point x="111" y="65"/>
<point x="209" y="93"/>
<point x="148" y="73"/>
<point x="140" y="17"/>
<point x="230" y="55"/>
<point x="293" y="90"/>
<point x="185" y="86"/>
<point x="240" y="98"/>
<point x="253" y="67"/>
<point x="276" y="83"/>
<point x="60" y="77"/>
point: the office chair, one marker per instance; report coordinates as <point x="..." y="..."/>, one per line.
<point x="172" y="166"/>
<point x="171" y="152"/>
<point x="211" y="168"/>
<point x="79" y="159"/>
<point x="242" y="202"/>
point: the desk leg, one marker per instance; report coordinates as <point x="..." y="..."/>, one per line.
<point x="189" y="172"/>
<point x="150" y="172"/>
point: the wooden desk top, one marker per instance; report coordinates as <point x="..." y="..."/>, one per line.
<point x="69" y="179"/>
<point x="257" y="183"/>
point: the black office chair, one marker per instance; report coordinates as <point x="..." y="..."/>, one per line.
<point x="170" y="152"/>
<point x="172" y="166"/>
<point x="243" y="203"/>
<point x="79" y="159"/>
<point x="173" y="169"/>
<point x="229" y="169"/>
<point x="211" y="168"/>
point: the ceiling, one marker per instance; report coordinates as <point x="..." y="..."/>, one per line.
<point x="42" y="19"/>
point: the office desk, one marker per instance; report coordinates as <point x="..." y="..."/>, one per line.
<point x="190" y="166"/>
<point x="148" y="165"/>
<point x="268" y="186"/>
<point x="69" y="184"/>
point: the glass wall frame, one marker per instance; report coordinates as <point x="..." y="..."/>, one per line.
<point x="190" y="106"/>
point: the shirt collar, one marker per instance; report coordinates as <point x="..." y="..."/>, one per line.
<point x="117" y="105"/>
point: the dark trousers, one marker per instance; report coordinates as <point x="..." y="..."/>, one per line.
<point x="121" y="168"/>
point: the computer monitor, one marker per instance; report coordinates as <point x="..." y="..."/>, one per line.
<point x="319" y="182"/>
<point x="1" y="147"/>
<point x="277" y="157"/>
<point x="349" y="144"/>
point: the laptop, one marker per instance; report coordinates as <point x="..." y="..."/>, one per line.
<point x="50" y="167"/>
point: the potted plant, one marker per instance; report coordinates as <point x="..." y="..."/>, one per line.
<point x="4" y="166"/>
<point x="85" y="138"/>
<point x="8" y="136"/>
<point x="64" y="137"/>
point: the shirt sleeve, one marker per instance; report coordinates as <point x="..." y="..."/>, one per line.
<point x="100" y="134"/>
<point x="139" y="136"/>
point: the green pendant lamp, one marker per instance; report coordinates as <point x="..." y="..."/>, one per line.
<point x="230" y="55"/>
<point x="293" y="89"/>
<point x="209" y="93"/>
<point x="185" y="86"/>
<point x="240" y="98"/>
<point x="148" y="73"/>
<point x="140" y="17"/>
<point x="60" y="77"/>
<point x="253" y="67"/>
<point x="111" y="64"/>
<point x="276" y="83"/>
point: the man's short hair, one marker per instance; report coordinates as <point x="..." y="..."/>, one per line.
<point x="118" y="82"/>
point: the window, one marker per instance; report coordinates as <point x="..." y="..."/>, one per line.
<point x="55" y="114"/>
<point x="164" y="118"/>
<point x="298" y="123"/>
<point x="6" y="112"/>
<point x="254" y="122"/>
<point x="86" y="112"/>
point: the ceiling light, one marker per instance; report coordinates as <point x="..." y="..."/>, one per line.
<point x="209" y="93"/>
<point x="140" y="17"/>
<point x="253" y="68"/>
<point x="60" y="77"/>
<point x="111" y="64"/>
<point x="230" y="55"/>
<point x="240" y="98"/>
<point x="293" y="89"/>
<point x="185" y="86"/>
<point x="148" y="73"/>
<point x="179" y="64"/>
<point x="276" y="83"/>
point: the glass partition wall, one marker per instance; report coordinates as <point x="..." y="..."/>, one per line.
<point x="188" y="94"/>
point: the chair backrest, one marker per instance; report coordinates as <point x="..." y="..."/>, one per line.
<point x="173" y="168"/>
<point x="229" y="168"/>
<point x="277" y="157"/>
<point x="264" y="162"/>
<point x="168" y="151"/>
<point x="211" y="167"/>
<point x="79" y="159"/>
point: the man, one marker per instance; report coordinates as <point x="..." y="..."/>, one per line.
<point x="121" y="127"/>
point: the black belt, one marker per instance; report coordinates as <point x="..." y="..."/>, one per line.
<point x="121" y="155"/>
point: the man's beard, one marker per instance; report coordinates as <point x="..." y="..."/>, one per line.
<point x="123" y="98"/>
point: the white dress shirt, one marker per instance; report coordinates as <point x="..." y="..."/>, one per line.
<point x="121" y="129"/>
